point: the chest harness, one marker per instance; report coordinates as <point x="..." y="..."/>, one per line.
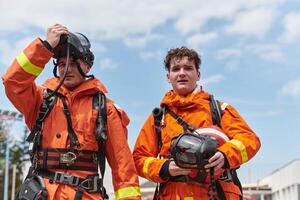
<point x="215" y="186"/>
<point x="72" y="158"/>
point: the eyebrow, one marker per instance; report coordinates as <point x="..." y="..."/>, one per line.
<point x="182" y="66"/>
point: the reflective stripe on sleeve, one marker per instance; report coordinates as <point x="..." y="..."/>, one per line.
<point x="242" y="149"/>
<point x="188" y="198"/>
<point x="27" y="66"/>
<point x="146" y="166"/>
<point x="223" y="106"/>
<point x="128" y="192"/>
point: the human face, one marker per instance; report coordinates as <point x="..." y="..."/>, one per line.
<point x="183" y="75"/>
<point x="73" y="77"/>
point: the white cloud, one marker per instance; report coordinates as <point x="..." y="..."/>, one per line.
<point x="113" y="19"/>
<point x="268" y="113"/>
<point x="10" y="49"/>
<point x="228" y="53"/>
<point x="106" y="63"/>
<point x="140" y="41"/>
<point x="275" y="56"/>
<point x="269" y="52"/>
<point x="255" y="22"/>
<point x="291" y="23"/>
<point x="195" y="14"/>
<point x="232" y="65"/>
<point x="212" y="79"/>
<point x="99" y="48"/>
<point x="146" y="55"/>
<point x="201" y="38"/>
<point x="292" y="88"/>
<point x="120" y="19"/>
<point x="200" y="12"/>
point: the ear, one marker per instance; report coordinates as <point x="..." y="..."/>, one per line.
<point x="199" y="75"/>
<point x="168" y="77"/>
<point x="87" y="68"/>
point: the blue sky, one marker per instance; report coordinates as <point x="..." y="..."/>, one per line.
<point x="249" y="49"/>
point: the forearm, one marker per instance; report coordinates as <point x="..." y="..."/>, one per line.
<point x="19" y="79"/>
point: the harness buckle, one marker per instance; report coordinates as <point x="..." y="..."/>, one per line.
<point x="90" y="184"/>
<point x="67" y="158"/>
<point x="226" y="176"/>
<point x="66" y="178"/>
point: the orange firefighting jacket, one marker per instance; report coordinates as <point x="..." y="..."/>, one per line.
<point x="27" y="98"/>
<point x="195" y="110"/>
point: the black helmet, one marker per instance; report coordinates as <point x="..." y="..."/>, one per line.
<point x="79" y="47"/>
<point x="193" y="151"/>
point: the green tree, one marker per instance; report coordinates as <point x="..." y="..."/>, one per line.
<point x="18" y="156"/>
<point x="3" y="138"/>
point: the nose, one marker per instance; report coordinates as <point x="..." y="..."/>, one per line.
<point x="69" y="68"/>
<point x="182" y="72"/>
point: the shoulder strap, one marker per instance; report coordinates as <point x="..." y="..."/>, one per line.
<point x="216" y="113"/>
<point x="99" y="102"/>
<point x="179" y="120"/>
<point x="216" y="117"/>
<point x="45" y="108"/>
<point x="35" y="136"/>
<point x="158" y="115"/>
<point x="72" y="135"/>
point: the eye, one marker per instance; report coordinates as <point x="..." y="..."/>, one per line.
<point x="189" y="68"/>
<point x="175" y="69"/>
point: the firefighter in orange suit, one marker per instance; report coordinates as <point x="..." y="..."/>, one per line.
<point x="69" y="170"/>
<point x="191" y="103"/>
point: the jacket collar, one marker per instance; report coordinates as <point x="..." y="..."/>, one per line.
<point x="198" y="96"/>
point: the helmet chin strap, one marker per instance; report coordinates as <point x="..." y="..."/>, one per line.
<point x="82" y="73"/>
<point x="78" y="67"/>
<point x="64" y="75"/>
<point x="55" y="68"/>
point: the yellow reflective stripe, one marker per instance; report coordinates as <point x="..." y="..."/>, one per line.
<point x="188" y="198"/>
<point x="128" y="192"/>
<point x="242" y="148"/>
<point x="146" y="166"/>
<point x="27" y="65"/>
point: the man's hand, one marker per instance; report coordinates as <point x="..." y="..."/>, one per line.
<point x="216" y="161"/>
<point x="54" y="32"/>
<point x="174" y="170"/>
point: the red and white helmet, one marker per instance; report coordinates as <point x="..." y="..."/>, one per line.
<point x="214" y="132"/>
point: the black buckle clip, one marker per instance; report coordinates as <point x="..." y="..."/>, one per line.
<point x="67" y="158"/>
<point x="66" y="178"/>
<point x="90" y="184"/>
<point x="226" y="176"/>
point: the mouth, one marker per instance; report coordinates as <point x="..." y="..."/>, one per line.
<point x="182" y="81"/>
<point x="69" y="77"/>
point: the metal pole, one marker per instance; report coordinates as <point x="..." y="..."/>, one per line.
<point x="13" y="182"/>
<point x="6" y="172"/>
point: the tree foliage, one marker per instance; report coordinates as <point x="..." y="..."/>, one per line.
<point x="18" y="152"/>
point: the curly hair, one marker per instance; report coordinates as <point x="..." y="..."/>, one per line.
<point x="180" y="53"/>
